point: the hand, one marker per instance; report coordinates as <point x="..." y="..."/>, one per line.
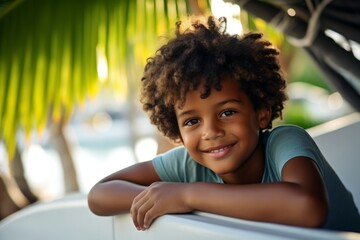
<point x="158" y="199"/>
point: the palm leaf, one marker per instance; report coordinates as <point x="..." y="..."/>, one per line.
<point x="50" y="51"/>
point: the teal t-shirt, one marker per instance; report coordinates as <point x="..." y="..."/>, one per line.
<point x="281" y="144"/>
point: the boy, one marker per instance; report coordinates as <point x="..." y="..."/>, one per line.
<point x="217" y="95"/>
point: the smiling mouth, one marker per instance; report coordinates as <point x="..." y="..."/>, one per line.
<point x="219" y="152"/>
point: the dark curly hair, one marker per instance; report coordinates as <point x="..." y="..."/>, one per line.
<point x="207" y="54"/>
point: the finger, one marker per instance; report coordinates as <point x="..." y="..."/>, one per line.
<point x="139" y="209"/>
<point x="133" y="213"/>
<point x="140" y="196"/>
<point x="141" y="213"/>
<point x="150" y="216"/>
<point x="137" y="202"/>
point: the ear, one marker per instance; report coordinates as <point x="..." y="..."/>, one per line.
<point x="264" y="116"/>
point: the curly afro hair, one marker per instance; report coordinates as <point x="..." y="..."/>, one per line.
<point x="206" y="54"/>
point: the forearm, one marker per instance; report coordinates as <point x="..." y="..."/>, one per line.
<point x="112" y="197"/>
<point x="284" y="203"/>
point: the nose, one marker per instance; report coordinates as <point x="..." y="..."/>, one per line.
<point x="212" y="130"/>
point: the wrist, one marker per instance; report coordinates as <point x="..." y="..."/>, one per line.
<point x="190" y="195"/>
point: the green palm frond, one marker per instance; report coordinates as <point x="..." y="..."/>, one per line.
<point x="50" y="52"/>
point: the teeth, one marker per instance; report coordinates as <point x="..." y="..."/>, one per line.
<point x="219" y="150"/>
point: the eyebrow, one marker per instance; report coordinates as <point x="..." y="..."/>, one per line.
<point x="219" y="104"/>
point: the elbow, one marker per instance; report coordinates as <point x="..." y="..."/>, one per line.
<point x="313" y="212"/>
<point x="318" y="217"/>
<point x="94" y="203"/>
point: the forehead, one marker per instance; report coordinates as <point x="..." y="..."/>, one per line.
<point x="230" y="89"/>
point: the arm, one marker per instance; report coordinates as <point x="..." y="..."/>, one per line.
<point x="115" y="193"/>
<point x="300" y="198"/>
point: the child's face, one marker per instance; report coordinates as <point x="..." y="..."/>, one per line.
<point x="221" y="132"/>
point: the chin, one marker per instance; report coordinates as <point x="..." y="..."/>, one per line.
<point x="222" y="171"/>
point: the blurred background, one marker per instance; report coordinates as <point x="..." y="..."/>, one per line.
<point x="69" y="78"/>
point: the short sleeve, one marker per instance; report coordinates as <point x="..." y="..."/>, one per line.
<point x="287" y="142"/>
<point x="168" y="165"/>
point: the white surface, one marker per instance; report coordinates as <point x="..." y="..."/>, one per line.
<point x="66" y="219"/>
<point x="70" y="219"/>
<point x="213" y="227"/>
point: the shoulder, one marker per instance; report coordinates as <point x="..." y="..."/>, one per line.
<point x="287" y="136"/>
<point x="175" y="156"/>
<point x="288" y="141"/>
<point x="286" y="130"/>
<point x="170" y="165"/>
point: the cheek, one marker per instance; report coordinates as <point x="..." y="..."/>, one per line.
<point x="188" y="138"/>
<point x="254" y="124"/>
<point x="248" y="133"/>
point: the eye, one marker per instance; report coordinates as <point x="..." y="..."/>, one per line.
<point x="191" y="122"/>
<point x="227" y="113"/>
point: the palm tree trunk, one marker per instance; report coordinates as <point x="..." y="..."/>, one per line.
<point x="7" y="204"/>
<point x="61" y="145"/>
<point x="18" y="174"/>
